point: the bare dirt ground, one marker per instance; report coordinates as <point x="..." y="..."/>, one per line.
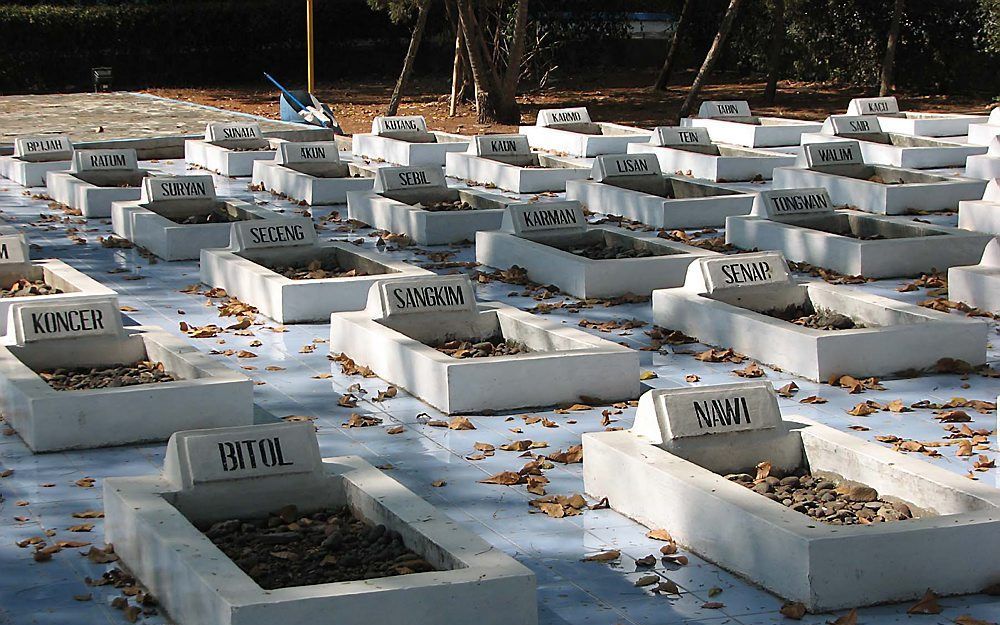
<point x="619" y="97"/>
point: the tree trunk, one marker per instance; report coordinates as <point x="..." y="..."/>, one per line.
<point x="411" y="54"/>
<point x="456" y="74"/>
<point x="675" y="41"/>
<point x="493" y="103"/>
<point x="711" y="58"/>
<point x="889" y="61"/>
<point x="777" y="44"/>
<point x="513" y="75"/>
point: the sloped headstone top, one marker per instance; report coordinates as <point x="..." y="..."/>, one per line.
<point x="994" y="147"/>
<point x="421" y="296"/>
<point x="172" y="188"/>
<point x="873" y="106"/>
<point x="991" y="255"/>
<point x="714" y="109"/>
<point x="541" y="217"/>
<point x="13" y="250"/>
<point x="740" y="271"/>
<point x="234" y="133"/>
<point x="289" y="153"/>
<point x="621" y="165"/>
<point x="237" y="454"/>
<point x="269" y="233"/>
<point x="832" y="153"/>
<point x="43" y="149"/>
<point x="671" y="136"/>
<point x="104" y="160"/>
<point x="388" y="179"/>
<point x="672" y="414"/>
<point x="80" y="318"/>
<point x="383" y="125"/>
<point x="847" y="125"/>
<point x="500" y="145"/>
<point x="783" y="203"/>
<point x="551" y="117"/>
<point x="992" y="192"/>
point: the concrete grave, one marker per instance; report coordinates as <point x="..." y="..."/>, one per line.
<point x="251" y="269"/>
<point x="632" y="186"/>
<point x="984" y="134"/>
<point x="732" y="123"/>
<point x="570" y="131"/>
<point x="985" y="166"/>
<point x="913" y="123"/>
<point x="879" y="147"/>
<point x="154" y="524"/>
<point x="405" y="140"/>
<point x="178" y="216"/>
<point x="838" y="166"/>
<point x="87" y="332"/>
<point x="417" y="201"/>
<point x="742" y="302"/>
<point x="230" y="148"/>
<point x="803" y="225"/>
<point x="507" y="162"/>
<point x="312" y="173"/>
<point x="982" y="215"/>
<point x="553" y="242"/>
<point x="688" y="151"/>
<point x="34" y="157"/>
<point x="16" y="265"/>
<point x="96" y="179"/>
<point x="978" y="285"/>
<point x="397" y="333"/>
<point x="662" y="479"/>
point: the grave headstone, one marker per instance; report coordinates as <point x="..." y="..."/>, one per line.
<point x="239" y="135"/>
<point x="177" y="188"/>
<point x="832" y="153"/>
<point x="555" y="117"/>
<point x="104" y="160"/>
<point x="721" y="109"/>
<point x="421" y="296"/>
<point x="743" y="270"/>
<point x="638" y="172"/>
<point x="289" y="153"/>
<point x="411" y="128"/>
<point x="14" y="250"/>
<point x="672" y="136"/>
<point x="544" y="218"/>
<point x="851" y="125"/>
<point x="511" y="149"/>
<point x="778" y="204"/>
<point x="270" y="233"/>
<point x="413" y="184"/>
<point x="873" y="106"/>
<point x="29" y="322"/>
<point x="246" y="454"/>
<point x="43" y="149"/>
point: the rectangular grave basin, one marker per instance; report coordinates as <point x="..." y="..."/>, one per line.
<point x="427" y="226"/>
<point x="205" y="394"/>
<point x="665" y="202"/>
<point x="895" y="337"/>
<point x="92" y="192"/>
<point x="225" y="158"/>
<point x="154" y="527"/>
<point x="525" y="173"/>
<point x="901" y="150"/>
<point x="753" y="131"/>
<point x="398" y="350"/>
<point x="316" y="184"/>
<point x="824" y="566"/>
<point x="716" y="162"/>
<point x="587" y="139"/>
<point x="53" y="272"/>
<point x="251" y="277"/>
<point x="426" y="148"/>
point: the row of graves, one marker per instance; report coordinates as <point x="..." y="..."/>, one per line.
<point x="73" y="373"/>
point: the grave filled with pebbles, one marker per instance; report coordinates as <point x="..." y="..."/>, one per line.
<point x="114" y="376"/>
<point x="29" y="288"/>
<point x="806" y="315"/>
<point x="826" y="500"/>
<point x="481" y="348"/>
<point x="291" y="548"/>
<point x="447" y="205"/>
<point x="603" y="251"/>
<point x="317" y="270"/>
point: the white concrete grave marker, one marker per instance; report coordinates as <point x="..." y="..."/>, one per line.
<point x="13" y="250"/>
<point x="873" y="106"/>
<point x="992" y="193"/>
<point x="307" y="152"/>
<point x="671" y="414"/>
<point x="847" y="125"/>
<point x="104" y="160"/>
<point x="197" y="457"/>
<point x="832" y="153"/>
<point x="714" y="109"/>
<point x="169" y="188"/>
<point x="522" y="219"/>
<point x="619" y="165"/>
<point x="576" y="115"/>
<point x="45" y="148"/>
<point x="670" y="136"/>
<point x="389" y="179"/>
<point x="994" y="147"/>
<point x="500" y="145"/>
<point x="744" y="270"/>
<point x="233" y="132"/>
<point x="414" y="296"/>
<point x="265" y="233"/>
<point x="79" y="318"/>
<point x="779" y="203"/>
<point x="382" y="125"/>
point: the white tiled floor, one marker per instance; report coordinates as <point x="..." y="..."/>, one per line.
<point x="570" y="591"/>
